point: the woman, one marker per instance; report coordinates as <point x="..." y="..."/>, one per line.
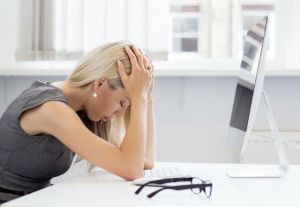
<point x="103" y="113"/>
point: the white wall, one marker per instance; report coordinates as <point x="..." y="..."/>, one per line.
<point x="7" y="32"/>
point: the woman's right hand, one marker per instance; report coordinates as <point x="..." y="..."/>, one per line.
<point x="138" y="83"/>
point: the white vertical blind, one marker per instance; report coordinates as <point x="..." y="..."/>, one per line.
<point x="95" y="14"/>
<point x="66" y="29"/>
<point x="137" y="30"/>
<point x="74" y="25"/>
<point x="158" y="18"/>
<point x="42" y="38"/>
<point x="220" y="29"/>
<point x="288" y="32"/>
<point x="116" y="20"/>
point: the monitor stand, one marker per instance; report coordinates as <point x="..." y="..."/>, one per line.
<point x="280" y="151"/>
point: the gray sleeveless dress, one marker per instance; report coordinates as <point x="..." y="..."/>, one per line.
<point x="27" y="163"/>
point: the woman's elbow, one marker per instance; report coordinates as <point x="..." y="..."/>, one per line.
<point x="132" y="174"/>
<point x="148" y="165"/>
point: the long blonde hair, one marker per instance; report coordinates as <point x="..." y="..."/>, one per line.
<point x="102" y="62"/>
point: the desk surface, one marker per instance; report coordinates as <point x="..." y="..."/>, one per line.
<point x="102" y="188"/>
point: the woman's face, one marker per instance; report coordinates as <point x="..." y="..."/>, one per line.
<point x="108" y="103"/>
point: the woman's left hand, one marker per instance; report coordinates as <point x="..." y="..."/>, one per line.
<point x="149" y="66"/>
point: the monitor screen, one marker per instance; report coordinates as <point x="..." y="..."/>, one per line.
<point x="252" y="49"/>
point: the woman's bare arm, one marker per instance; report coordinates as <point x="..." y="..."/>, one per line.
<point x="151" y="138"/>
<point x="150" y="155"/>
<point x="58" y="119"/>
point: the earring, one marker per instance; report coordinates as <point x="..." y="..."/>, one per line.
<point x="95" y="95"/>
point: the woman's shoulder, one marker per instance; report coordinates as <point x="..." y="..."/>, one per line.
<point x="32" y="97"/>
<point x="47" y="116"/>
<point x="44" y="90"/>
<point x="39" y="93"/>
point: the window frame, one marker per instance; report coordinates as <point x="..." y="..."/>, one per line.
<point x="184" y="15"/>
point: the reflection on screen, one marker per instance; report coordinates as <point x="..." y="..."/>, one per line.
<point x="244" y="91"/>
<point x="252" y="47"/>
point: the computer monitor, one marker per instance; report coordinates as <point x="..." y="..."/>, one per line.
<point x="249" y="91"/>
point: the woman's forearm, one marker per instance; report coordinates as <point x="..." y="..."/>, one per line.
<point x="150" y="155"/>
<point x="134" y="142"/>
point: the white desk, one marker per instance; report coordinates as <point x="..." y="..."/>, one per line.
<point x="100" y="188"/>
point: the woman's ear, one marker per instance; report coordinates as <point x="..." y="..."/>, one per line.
<point x="98" y="83"/>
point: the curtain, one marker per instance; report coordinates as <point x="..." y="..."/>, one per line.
<point x="67" y="29"/>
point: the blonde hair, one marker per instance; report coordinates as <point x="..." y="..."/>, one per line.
<point x="102" y="62"/>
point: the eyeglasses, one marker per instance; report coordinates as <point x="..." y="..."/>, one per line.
<point x="196" y="185"/>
